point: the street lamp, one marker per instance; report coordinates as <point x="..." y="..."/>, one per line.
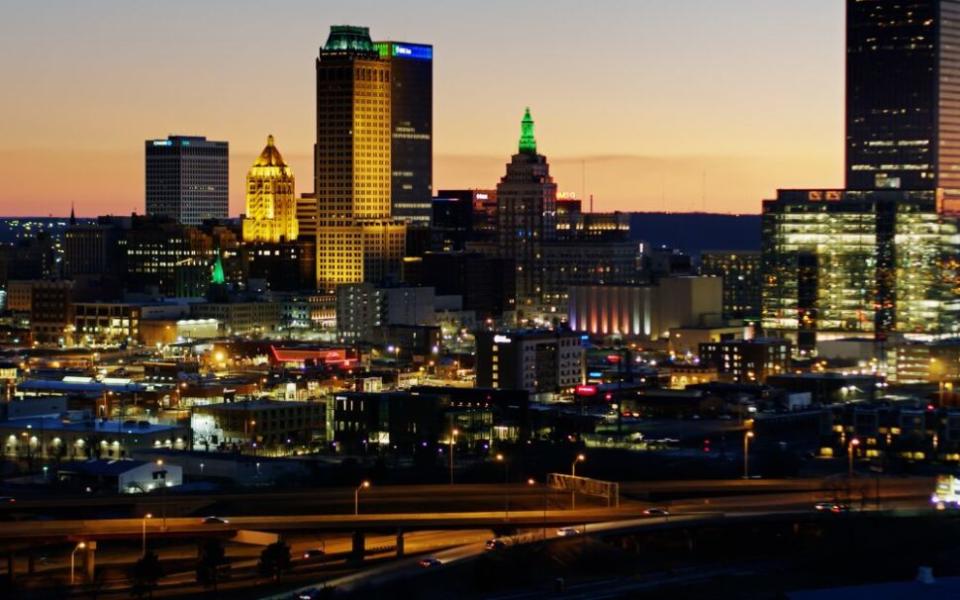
<point x="453" y="440"/>
<point x="573" y="473"/>
<point x="162" y="474"/>
<point x="73" y="554"/>
<point x="506" y="485"/>
<point x="532" y="482"/>
<point x="850" y="450"/>
<point x="356" y="496"/>
<point x="143" y="544"/>
<point x="747" y="436"/>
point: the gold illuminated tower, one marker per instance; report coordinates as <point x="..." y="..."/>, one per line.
<point x="357" y="240"/>
<point x="271" y="214"/>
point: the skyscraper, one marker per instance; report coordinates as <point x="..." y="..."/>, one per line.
<point x="271" y="214"/>
<point x="411" y="129"/>
<point x="526" y="216"/>
<point x="903" y="96"/>
<point x="356" y="238"/>
<point x="186" y="179"/>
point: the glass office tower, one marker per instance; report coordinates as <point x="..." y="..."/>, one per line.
<point x="843" y="263"/>
<point x="903" y="96"/>
<point x="411" y="129"/>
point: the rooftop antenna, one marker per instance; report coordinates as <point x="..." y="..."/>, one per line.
<point x="591" y="203"/>
<point x="583" y="180"/>
<point x="703" y="192"/>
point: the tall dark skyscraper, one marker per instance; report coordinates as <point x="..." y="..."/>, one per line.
<point x="903" y="96"/>
<point x="411" y="129"/>
<point x="526" y="216"/>
<point x="187" y="179"/>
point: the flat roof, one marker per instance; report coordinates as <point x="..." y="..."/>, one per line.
<point x="45" y="424"/>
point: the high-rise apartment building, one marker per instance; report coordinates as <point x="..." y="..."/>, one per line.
<point x="742" y="281"/>
<point x="186" y="179"/>
<point x="526" y="216"/>
<point x="858" y="263"/>
<point x="903" y="96"/>
<point x="271" y="214"/>
<point x="411" y="129"/>
<point x="356" y="238"/>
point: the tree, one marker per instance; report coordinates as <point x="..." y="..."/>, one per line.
<point x="145" y="574"/>
<point x="211" y="557"/>
<point x="275" y="560"/>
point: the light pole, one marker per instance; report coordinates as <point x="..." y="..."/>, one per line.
<point x="506" y="485"/>
<point x="851" y="447"/>
<point x="747" y="436"/>
<point x="531" y="482"/>
<point x="162" y="475"/>
<point x="453" y="440"/>
<point x="73" y="555"/>
<point x="573" y="473"/>
<point x="356" y="496"/>
<point x="143" y="543"/>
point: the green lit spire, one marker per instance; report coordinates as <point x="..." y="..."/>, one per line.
<point x="528" y="144"/>
<point x="217" y="278"/>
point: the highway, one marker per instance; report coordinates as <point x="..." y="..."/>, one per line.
<point x="451" y="536"/>
<point x="681" y="513"/>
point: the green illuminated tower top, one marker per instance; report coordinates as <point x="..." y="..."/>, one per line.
<point x="217" y="278"/>
<point x="528" y="145"/>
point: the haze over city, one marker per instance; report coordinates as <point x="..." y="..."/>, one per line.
<point x="686" y="105"/>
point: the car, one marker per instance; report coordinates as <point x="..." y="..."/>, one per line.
<point x="656" y="512"/>
<point x="314" y="553"/>
<point x="7" y="499"/>
<point x="309" y="594"/>
<point x="430" y="561"/>
<point x="214" y="521"/>
<point x="832" y="507"/>
<point x="568" y="531"/>
<point x="496" y="544"/>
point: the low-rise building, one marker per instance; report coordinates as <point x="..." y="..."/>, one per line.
<point x="645" y="312"/>
<point x="259" y="426"/>
<point x="538" y="361"/>
<point x="122" y="476"/>
<point x="747" y="361"/>
<point x="240" y="318"/>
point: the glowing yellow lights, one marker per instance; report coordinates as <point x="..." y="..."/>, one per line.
<point x="271" y="210"/>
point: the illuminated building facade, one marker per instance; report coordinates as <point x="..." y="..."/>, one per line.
<point x="740" y="270"/>
<point x="747" y="361"/>
<point x="903" y="96"/>
<point x="411" y="129"/>
<point x="356" y="238"/>
<point x="187" y="179"/>
<point x="165" y="258"/>
<point x="271" y="214"/>
<point x="536" y="361"/>
<point x="526" y="217"/>
<point x="307" y="217"/>
<point x="646" y="312"/>
<point x="846" y="263"/>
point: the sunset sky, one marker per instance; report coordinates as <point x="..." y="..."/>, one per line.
<point x="657" y="105"/>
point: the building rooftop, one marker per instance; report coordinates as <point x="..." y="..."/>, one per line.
<point x="261" y="404"/>
<point x="80" y="385"/>
<point x="51" y="424"/>
<point x="103" y="468"/>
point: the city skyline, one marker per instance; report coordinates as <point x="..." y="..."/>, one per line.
<point x="638" y="136"/>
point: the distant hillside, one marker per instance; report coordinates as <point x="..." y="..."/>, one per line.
<point x="695" y="232"/>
